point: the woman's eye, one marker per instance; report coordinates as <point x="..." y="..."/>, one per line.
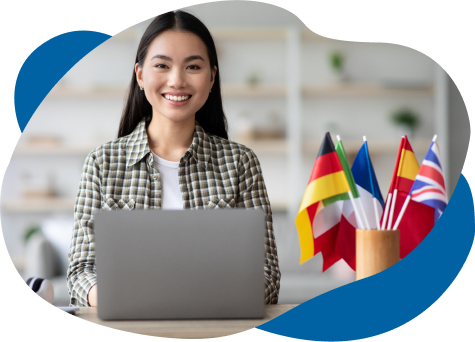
<point x="160" y="66"/>
<point x="194" y="67"/>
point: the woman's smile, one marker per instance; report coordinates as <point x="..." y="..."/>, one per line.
<point x="177" y="99"/>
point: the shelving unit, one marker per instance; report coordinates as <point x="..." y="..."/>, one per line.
<point x="295" y="94"/>
<point x="38" y="205"/>
<point x="55" y="150"/>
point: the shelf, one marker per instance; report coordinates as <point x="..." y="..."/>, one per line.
<point x="362" y="89"/>
<point x="99" y="92"/>
<point x="270" y="90"/>
<point x="54" y="150"/>
<point x="38" y="205"/>
<point x="238" y="90"/>
<point x="271" y="146"/>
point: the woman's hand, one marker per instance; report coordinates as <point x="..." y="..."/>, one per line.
<point x="92" y="296"/>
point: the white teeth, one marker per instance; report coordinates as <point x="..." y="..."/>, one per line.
<point x="176" y="98"/>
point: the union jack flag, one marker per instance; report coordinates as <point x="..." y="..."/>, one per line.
<point x="429" y="186"/>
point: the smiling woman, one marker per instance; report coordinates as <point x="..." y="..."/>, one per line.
<point x="172" y="150"/>
<point x="176" y="77"/>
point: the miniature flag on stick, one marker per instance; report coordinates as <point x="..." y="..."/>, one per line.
<point x="405" y="172"/>
<point x="418" y="219"/>
<point x="319" y="214"/>
<point x="429" y="185"/>
<point x="368" y="187"/>
<point x="351" y="219"/>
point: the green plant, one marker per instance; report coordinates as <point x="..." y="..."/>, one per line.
<point x="406" y="117"/>
<point x="253" y="79"/>
<point x="336" y="60"/>
<point x="30" y="231"/>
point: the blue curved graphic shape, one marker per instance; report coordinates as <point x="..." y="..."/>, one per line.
<point x="391" y="298"/>
<point x="358" y="310"/>
<point x="45" y="66"/>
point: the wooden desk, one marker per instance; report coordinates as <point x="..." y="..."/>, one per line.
<point x="186" y="328"/>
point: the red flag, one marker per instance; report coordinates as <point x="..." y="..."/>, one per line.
<point x="418" y="219"/>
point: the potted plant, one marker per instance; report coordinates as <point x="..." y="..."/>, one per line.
<point x="337" y="65"/>
<point x="407" y="120"/>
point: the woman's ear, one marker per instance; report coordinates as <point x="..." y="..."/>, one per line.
<point x="213" y="75"/>
<point x="138" y="75"/>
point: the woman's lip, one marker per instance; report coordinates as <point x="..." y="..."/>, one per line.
<point x="176" y="94"/>
<point x="176" y="103"/>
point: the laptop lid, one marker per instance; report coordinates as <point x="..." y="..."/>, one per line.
<point x="180" y="264"/>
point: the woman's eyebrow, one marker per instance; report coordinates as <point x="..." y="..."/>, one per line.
<point x="187" y="59"/>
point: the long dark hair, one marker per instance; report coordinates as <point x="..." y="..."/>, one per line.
<point x="211" y="116"/>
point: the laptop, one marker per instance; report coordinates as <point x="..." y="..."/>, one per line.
<point x="180" y="264"/>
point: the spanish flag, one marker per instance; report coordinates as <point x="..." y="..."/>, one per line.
<point x="418" y="219"/>
<point x="404" y="174"/>
<point x="320" y="211"/>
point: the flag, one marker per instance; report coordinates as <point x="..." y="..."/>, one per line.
<point x="346" y="239"/>
<point x="404" y="174"/>
<point x="418" y="219"/>
<point x="368" y="187"/>
<point x="319" y="214"/>
<point x="429" y="185"/>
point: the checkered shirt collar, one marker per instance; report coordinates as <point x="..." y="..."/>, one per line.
<point x="137" y="146"/>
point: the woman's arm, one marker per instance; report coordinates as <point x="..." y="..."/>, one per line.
<point x="253" y="194"/>
<point x="81" y="275"/>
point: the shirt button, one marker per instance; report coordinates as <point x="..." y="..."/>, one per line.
<point x="155" y="177"/>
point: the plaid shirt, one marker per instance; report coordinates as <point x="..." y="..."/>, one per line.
<point x="213" y="173"/>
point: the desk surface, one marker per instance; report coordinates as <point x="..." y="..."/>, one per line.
<point x="186" y="328"/>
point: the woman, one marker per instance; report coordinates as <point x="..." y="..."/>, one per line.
<point x="172" y="150"/>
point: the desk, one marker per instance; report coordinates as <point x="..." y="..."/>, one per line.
<point x="186" y="328"/>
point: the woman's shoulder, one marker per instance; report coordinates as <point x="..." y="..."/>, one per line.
<point x="113" y="148"/>
<point x="225" y="145"/>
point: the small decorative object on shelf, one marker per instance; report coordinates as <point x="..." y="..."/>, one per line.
<point x="273" y="128"/>
<point x="253" y="79"/>
<point x="337" y="64"/>
<point x="407" y="120"/>
<point x="37" y="185"/>
<point x="243" y="126"/>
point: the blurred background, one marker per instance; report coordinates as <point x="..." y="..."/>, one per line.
<point x="284" y="87"/>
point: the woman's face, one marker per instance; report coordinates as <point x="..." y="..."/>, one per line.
<point x="176" y="75"/>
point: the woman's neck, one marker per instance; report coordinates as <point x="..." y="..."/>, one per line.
<point x="169" y="139"/>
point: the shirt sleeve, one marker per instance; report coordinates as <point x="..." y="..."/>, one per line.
<point x="81" y="275"/>
<point x="253" y="194"/>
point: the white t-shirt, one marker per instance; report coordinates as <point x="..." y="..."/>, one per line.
<point x="171" y="193"/>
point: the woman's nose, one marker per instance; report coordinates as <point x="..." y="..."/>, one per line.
<point x="177" y="79"/>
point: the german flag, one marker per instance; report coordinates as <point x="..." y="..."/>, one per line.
<point x="320" y="211"/>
